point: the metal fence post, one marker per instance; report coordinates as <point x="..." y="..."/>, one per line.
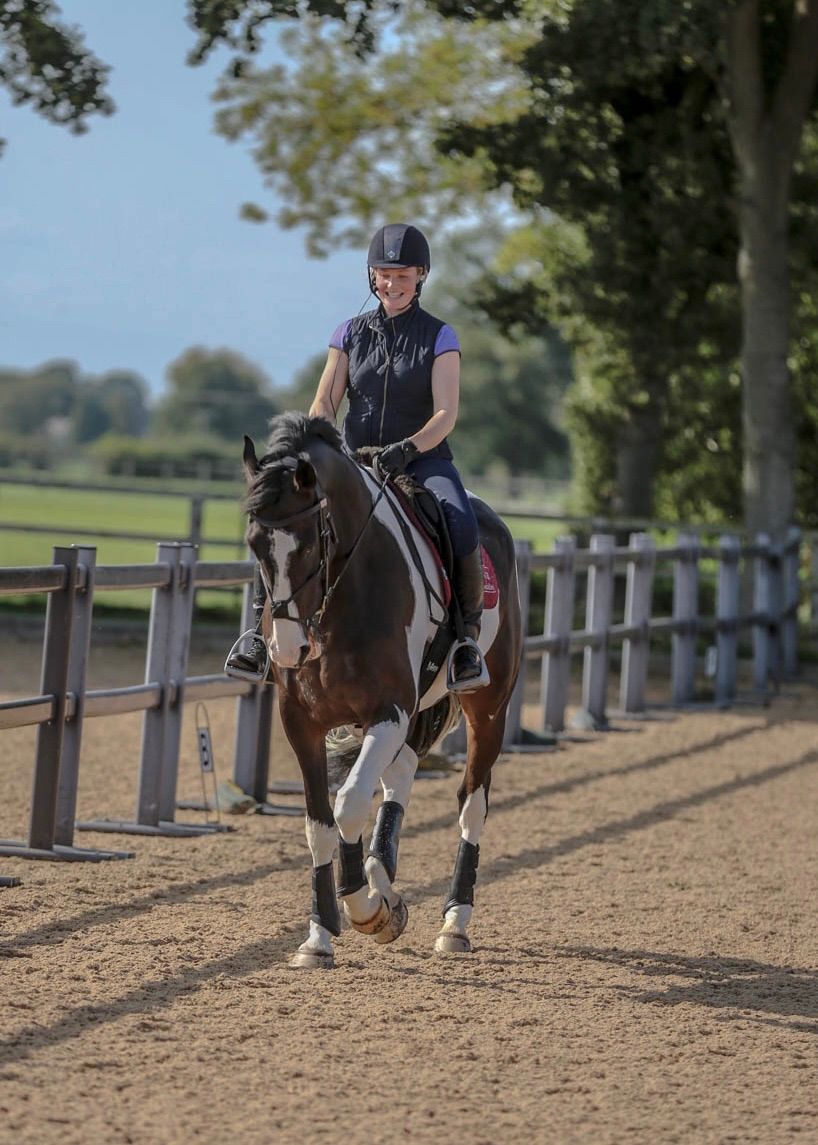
<point x="727" y="608"/>
<point x="65" y="653"/>
<point x="514" y="715"/>
<point x="598" y="610"/>
<point x="77" y="667"/>
<point x="178" y="651"/>
<point x="685" y="612"/>
<point x="168" y="644"/>
<point x="196" y="519"/>
<point x="559" y="615"/>
<point x="59" y="618"/>
<point x="791" y="598"/>
<point x="636" y="648"/>
<point x="762" y="634"/>
<point x="776" y="609"/>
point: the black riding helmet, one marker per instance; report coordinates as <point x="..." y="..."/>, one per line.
<point x="397" y="244"/>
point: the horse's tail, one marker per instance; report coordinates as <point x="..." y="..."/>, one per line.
<point x="432" y="724"/>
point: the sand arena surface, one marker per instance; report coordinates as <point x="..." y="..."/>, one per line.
<point x="645" y="965"/>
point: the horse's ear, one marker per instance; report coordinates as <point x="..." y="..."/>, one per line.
<point x="249" y="458"/>
<point x="304" y="476"/>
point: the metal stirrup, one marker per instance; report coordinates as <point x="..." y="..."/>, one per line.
<point x="455" y="685"/>
<point x="244" y="673"/>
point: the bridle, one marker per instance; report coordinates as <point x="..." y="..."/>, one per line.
<point x="327" y="540"/>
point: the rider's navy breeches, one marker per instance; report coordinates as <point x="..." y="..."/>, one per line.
<point x="441" y="477"/>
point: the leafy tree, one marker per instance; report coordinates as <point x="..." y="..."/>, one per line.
<point x="29" y="399"/>
<point x="215" y="392"/>
<point x="513" y="379"/>
<point x="115" y="403"/>
<point x="668" y="134"/>
<point x="333" y="157"/>
<point x="43" y="62"/>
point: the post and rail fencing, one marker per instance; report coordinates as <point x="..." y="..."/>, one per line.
<point x="771" y="623"/>
<point x="72" y="581"/>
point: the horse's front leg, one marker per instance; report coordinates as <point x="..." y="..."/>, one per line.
<point x="370" y="903"/>
<point x="316" y="952"/>
<point x="382" y="860"/>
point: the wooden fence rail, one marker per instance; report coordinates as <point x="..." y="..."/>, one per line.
<point x="72" y="580"/>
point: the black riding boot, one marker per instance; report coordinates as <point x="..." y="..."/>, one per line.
<point x="254" y="661"/>
<point x="466" y="670"/>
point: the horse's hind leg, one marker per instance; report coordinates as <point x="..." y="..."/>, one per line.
<point x="485" y="738"/>
<point x="382" y="860"/>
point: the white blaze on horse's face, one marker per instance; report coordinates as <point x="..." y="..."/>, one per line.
<point x="289" y="645"/>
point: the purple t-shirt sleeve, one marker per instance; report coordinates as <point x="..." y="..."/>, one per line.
<point x="446" y="340"/>
<point x="339" y="335"/>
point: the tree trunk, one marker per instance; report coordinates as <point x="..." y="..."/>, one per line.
<point x="766" y="125"/>
<point x="768" y="474"/>
<point x="638" y="446"/>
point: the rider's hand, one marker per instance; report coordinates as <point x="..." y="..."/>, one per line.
<point x="394" y="458"/>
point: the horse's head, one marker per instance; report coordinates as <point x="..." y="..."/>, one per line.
<point x="289" y="532"/>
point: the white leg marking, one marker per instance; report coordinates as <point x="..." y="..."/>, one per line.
<point x="399" y="776"/>
<point x="457" y="918"/>
<point x="379" y="880"/>
<point x="363" y="904"/>
<point x="321" y="840"/>
<point x="319" y="940"/>
<point x="473" y="816"/>
<point x="453" y="937"/>
<point x="354" y="800"/>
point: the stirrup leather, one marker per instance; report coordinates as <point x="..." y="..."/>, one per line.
<point x="242" y="673"/>
<point x="475" y="682"/>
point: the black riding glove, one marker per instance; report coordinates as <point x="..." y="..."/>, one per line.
<point x="394" y="458"/>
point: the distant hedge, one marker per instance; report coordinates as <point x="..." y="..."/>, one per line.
<point x="29" y="452"/>
<point x="197" y="457"/>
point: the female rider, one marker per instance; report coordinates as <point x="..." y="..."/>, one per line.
<point x="400" y="369"/>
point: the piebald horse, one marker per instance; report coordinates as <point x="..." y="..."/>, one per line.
<point x="355" y="598"/>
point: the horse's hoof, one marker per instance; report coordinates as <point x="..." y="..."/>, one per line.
<point x="379" y="920"/>
<point x="396" y="925"/>
<point x="450" y="942"/>
<point x="312" y="960"/>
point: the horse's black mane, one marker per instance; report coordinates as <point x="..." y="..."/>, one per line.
<point x="292" y="432"/>
<point x="290" y="435"/>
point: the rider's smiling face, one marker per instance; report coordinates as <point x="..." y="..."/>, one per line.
<point x="396" y="287"/>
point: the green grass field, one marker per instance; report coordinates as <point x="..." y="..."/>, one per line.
<point x="79" y="516"/>
<point x="71" y="516"/>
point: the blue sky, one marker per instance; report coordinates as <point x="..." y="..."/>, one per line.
<point x="123" y="247"/>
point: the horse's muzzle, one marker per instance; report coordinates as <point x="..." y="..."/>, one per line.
<point x="292" y="644"/>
